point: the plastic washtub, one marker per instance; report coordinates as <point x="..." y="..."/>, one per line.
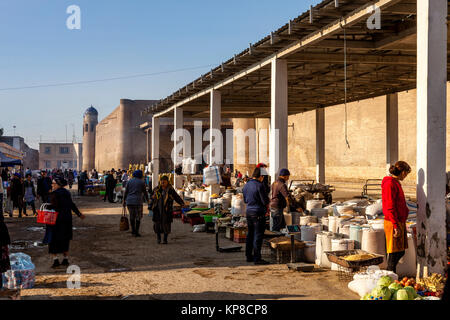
<point x="209" y="218"/>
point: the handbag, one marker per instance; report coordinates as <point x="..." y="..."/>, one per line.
<point x="47" y="216"/>
<point x="124" y="223"/>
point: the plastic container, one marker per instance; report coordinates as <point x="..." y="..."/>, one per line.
<point x="307" y="219"/>
<point x="374" y="241"/>
<point x="319" y="212"/>
<point x="314" y="204"/>
<point x="308" y="233"/>
<point x="310" y="251"/>
<point x="332" y="224"/>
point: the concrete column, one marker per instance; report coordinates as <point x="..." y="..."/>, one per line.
<point x="391" y="130"/>
<point x="147" y="132"/>
<point x="279" y="118"/>
<point x="320" y="145"/>
<point x="431" y="134"/>
<point x="178" y="122"/>
<point x="155" y="151"/>
<point x="215" y="124"/>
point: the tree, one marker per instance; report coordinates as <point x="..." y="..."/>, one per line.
<point x="1" y="132"/>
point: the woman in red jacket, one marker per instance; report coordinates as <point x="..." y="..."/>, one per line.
<point x="395" y="213"/>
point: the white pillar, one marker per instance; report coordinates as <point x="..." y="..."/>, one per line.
<point x="178" y="123"/>
<point x="279" y="118"/>
<point x="155" y="151"/>
<point x="215" y="124"/>
<point x="320" y="145"/>
<point x="431" y="134"/>
<point x="391" y="130"/>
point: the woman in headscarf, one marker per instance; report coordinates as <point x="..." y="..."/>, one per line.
<point x="59" y="235"/>
<point x="395" y="213"/>
<point x="161" y="204"/>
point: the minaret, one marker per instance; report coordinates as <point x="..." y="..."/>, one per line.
<point x="90" y="122"/>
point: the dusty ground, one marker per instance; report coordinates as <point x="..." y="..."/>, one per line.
<point x="115" y="265"/>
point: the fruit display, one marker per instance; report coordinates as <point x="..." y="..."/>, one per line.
<point x="435" y="283"/>
<point x="387" y="289"/>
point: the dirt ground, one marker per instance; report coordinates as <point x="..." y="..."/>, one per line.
<point x="115" y="265"/>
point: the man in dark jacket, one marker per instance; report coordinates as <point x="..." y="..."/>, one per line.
<point x="257" y="200"/>
<point x="17" y="193"/>
<point x="110" y="183"/>
<point x="44" y="185"/>
<point x="279" y="200"/>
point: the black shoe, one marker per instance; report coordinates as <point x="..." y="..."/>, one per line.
<point x="56" y="263"/>
<point x="165" y="242"/>
<point x="261" y="262"/>
<point x="65" y="263"/>
<point x="250" y="260"/>
<point x="137" y="235"/>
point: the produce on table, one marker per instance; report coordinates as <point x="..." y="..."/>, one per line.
<point x="384" y="281"/>
<point x="435" y="283"/>
<point x="366" y="297"/>
<point x="394" y="287"/>
<point x="358" y="257"/>
<point x="401" y="294"/>
<point x="411" y="292"/>
<point x="380" y="293"/>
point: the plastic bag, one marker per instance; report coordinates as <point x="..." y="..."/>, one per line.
<point x="374" y="210"/>
<point x="21" y="261"/>
<point x="22" y="273"/>
<point x="200" y="228"/>
<point x="211" y="175"/>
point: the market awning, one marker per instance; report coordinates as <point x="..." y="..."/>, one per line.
<point x="9" y="162"/>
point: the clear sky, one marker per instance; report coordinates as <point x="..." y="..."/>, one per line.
<point x="117" y="38"/>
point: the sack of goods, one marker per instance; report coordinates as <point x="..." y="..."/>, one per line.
<point x="22" y="273"/>
<point x="314" y="204"/>
<point x="211" y="175"/>
<point x="374" y="210"/>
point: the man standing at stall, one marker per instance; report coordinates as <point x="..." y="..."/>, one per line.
<point x="280" y="199"/>
<point x="257" y="200"/>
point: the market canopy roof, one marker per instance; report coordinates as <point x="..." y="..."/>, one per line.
<point x="9" y="162"/>
<point x="379" y="62"/>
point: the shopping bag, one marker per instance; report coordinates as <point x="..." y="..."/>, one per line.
<point x="124" y="224"/>
<point x="47" y="216"/>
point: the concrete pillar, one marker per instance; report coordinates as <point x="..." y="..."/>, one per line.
<point x="431" y="134"/>
<point x="178" y="122"/>
<point x="391" y="130"/>
<point x="279" y="118"/>
<point x="155" y="151"/>
<point x="320" y="145"/>
<point x="215" y="124"/>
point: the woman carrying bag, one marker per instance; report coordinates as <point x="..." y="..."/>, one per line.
<point x="58" y="236"/>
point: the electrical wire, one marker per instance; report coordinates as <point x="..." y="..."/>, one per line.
<point x="345" y="88"/>
<point x="104" y="80"/>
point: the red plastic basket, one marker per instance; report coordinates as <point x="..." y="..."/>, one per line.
<point x="46" y="216"/>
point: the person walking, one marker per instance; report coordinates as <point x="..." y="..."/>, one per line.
<point x="135" y="194"/>
<point x="70" y="178"/>
<point x="58" y="236"/>
<point x="161" y="204"/>
<point x="82" y="181"/>
<point x="279" y="200"/>
<point x="2" y="190"/>
<point x="110" y="183"/>
<point x="395" y="213"/>
<point x="17" y="193"/>
<point x="44" y="185"/>
<point x="30" y="195"/>
<point x="257" y="201"/>
<point x="124" y="179"/>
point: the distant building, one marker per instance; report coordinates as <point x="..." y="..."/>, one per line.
<point x="30" y="156"/>
<point x="90" y="121"/>
<point x="60" y="156"/>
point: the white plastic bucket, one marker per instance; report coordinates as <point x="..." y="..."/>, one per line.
<point x="310" y="251"/>
<point x="314" y="204"/>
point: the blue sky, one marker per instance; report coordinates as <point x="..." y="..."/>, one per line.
<point x="117" y="38"/>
